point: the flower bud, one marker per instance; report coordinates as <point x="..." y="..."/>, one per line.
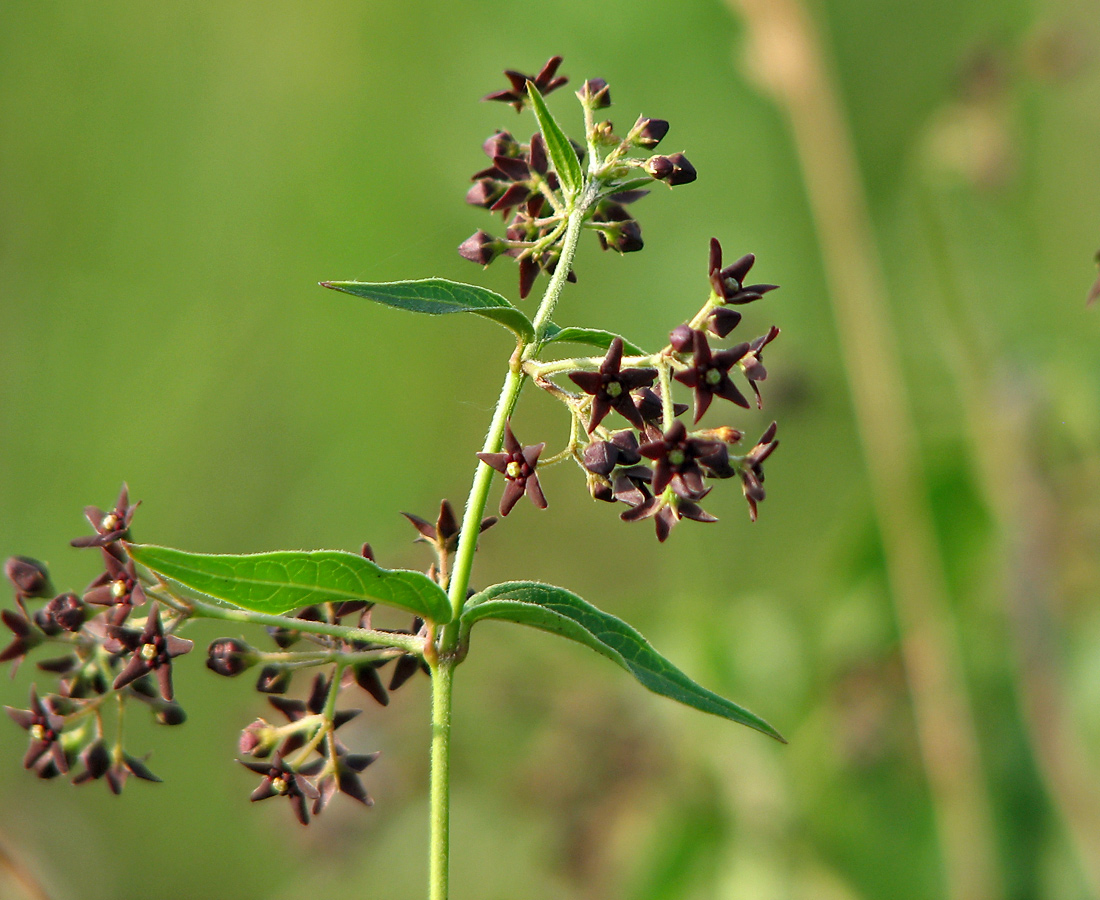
<point x="258" y="739"/>
<point x="647" y="132"/>
<point x="229" y="657"/>
<point x="500" y="143"/>
<point x="481" y="248"/>
<point x="682" y="337"/>
<point x="63" y="612"/>
<point x="29" y="576"/>
<point x="659" y="167"/>
<point x="595" y="94"/>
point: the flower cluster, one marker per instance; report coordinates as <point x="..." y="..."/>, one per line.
<point x="107" y="651"/>
<point x="659" y="468"/>
<point x="523" y="187"/>
<point x="302" y="759"/>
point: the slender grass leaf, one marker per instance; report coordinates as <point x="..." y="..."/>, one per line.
<point x="562" y="612"/>
<point x="437" y="297"/>
<point x="562" y="154"/>
<point x="285" y="580"/>
<point x="593" y="337"/>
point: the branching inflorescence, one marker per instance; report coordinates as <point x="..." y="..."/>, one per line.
<point x="118" y="638"/>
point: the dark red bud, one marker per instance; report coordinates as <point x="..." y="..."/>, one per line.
<point x="229" y="657"/>
<point x="29" y="576"/>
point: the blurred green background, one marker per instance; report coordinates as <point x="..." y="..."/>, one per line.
<point x="175" y="178"/>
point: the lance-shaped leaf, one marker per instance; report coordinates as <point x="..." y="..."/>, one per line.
<point x="562" y="154"/>
<point x="592" y="337"/>
<point x="562" y="612"/>
<point x="285" y="580"/>
<point x="437" y="297"/>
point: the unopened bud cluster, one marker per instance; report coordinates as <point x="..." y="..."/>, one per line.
<point x="523" y="187"/>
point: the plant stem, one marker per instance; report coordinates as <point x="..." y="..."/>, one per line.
<point x="506" y="404"/>
<point x="442" y="668"/>
<point x="442" y="679"/>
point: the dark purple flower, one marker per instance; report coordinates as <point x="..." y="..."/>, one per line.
<point x="728" y="282"/>
<point x="118" y="587"/>
<point x="152" y="651"/>
<point x="649" y="406"/>
<point x="518" y="464"/>
<point x="610" y="387"/>
<point x="666" y="512"/>
<point x="752" y="364"/>
<point x="677" y="462"/>
<point x="617" y="229"/>
<point x="709" y="374"/>
<point x="752" y="472"/>
<point x="280" y="780"/>
<point x="344" y="777"/>
<point x="25" y="637"/>
<point x="545" y="82"/>
<point x="445" y="532"/>
<point x="44" y="727"/>
<point x="114" y="768"/>
<point x="109" y="526"/>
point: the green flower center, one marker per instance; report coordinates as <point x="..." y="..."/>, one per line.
<point x="513" y="470"/>
<point x="676" y="457"/>
<point x="712" y="377"/>
<point x="613" y="389"/>
<point x="148" y="651"/>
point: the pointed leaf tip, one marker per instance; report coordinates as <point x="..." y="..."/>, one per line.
<point x="561" y="151"/>
<point x="562" y="612"/>
<point x="438" y="296"/>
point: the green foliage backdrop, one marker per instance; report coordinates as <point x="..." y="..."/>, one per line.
<point x="175" y="178"/>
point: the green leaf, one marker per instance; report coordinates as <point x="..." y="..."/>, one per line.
<point x="562" y="612"/>
<point x="632" y="184"/>
<point x="593" y="337"/>
<point x="285" y="580"/>
<point x="437" y="297"/>
<point x="562" y="154"/>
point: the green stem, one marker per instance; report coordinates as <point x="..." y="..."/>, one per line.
<point x="442" y="679"/>
<point x="442" y="668"/>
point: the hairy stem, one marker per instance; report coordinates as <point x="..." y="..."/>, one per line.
<point x="442" y="668"/>
<point x="442" y="679"/>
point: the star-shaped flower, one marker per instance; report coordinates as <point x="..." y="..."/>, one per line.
<point x="545" y="81"/>
<point x="709" y="374"/>
<point x="44" y="727"/>
<point x="152" y="651"/>
<point x="728" y="282"/>
<point x="280" y="780"/>
<point x="518" y="464"/>
<point x="118" y="587"/>
<point x="752" y="471"/>
<point x="677" y="462"/>
<point x="611" y="385"/>
<point x="109" y="526"/>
